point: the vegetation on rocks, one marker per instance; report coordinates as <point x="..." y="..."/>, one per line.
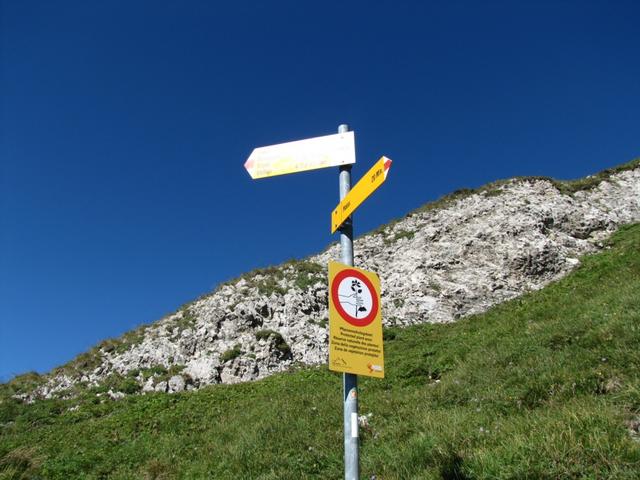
<point x="123" y="343"/>
<point x="187" y="320"/>
<point x="93" y="358"/>
<point x="543" y="386"/>
<point x="159" y="373"/>
<point x="400" y="234"/>
<point x="118" y="383"/>
<point x="586" y="183"/>
<point x="281" y="345"/>
<point x="268" y="280"/>
<point x="493" y="189"/>
<point x="232" y="353"/>
<point x="307" y="274"/>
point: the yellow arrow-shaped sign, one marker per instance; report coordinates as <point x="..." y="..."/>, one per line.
<point x="358" y="194"/>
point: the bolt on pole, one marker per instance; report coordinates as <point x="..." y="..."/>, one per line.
<point x="349" y="380"/>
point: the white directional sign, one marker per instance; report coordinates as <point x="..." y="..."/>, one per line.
<point x="302" y="155"/>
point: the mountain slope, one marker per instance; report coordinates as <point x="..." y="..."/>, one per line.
<point x="542" y="386"/>
<point x="444" y="261"/>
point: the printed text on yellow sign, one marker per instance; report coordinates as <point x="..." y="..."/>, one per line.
<point x="360" y="192"/>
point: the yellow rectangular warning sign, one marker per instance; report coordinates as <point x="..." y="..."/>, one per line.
<point x="355" y="321"/>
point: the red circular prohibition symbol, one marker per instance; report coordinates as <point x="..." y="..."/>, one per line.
<point x="356" y="322"/>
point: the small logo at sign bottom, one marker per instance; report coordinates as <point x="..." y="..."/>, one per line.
<point x="374" y="368"/>
<point x="340" y="362"/>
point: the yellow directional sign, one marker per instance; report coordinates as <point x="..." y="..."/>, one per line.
<point x="355" y="321"/>
<point x="302" y="155"/>
<point x="358" y="194"/>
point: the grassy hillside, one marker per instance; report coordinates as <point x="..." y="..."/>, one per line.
<point x="546" y="386"/>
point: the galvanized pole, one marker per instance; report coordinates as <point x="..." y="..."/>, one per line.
<point x="349" y="380"/>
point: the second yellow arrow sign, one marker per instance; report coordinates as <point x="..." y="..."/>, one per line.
<point x="358" y="194"/>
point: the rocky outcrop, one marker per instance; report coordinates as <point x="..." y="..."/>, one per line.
<point x="438" y="264"/>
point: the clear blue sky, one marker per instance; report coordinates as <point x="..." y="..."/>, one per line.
<point x="125" y="126"/>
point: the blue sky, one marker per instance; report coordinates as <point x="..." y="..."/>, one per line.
<point x="125" y="125"/>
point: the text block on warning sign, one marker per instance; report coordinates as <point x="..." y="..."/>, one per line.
<point x="355" y="321"/>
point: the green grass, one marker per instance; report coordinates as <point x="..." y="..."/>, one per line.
<point x="539" y="387"/>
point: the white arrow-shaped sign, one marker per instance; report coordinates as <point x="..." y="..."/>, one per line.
<point x="302" y="155"/>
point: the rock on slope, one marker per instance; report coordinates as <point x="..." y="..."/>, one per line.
<point x="446" y="260"/>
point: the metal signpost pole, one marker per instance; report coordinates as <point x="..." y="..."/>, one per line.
<point x="349" y="380"/>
